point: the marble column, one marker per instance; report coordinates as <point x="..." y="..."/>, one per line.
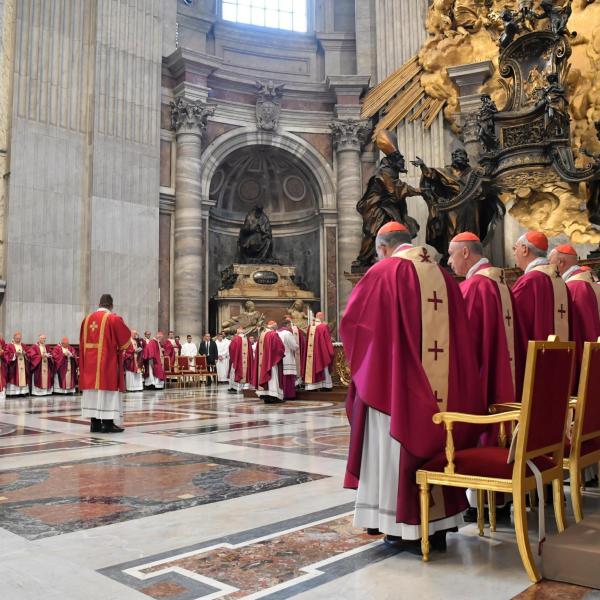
<point x="189" y="121"/>
<point x="348" y="136"/>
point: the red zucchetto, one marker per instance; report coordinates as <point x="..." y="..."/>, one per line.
<point x="391" y="226"/>
<point x="537" y="239"/>
<point x="466" y="236"/>
<point x="566" y="249"/>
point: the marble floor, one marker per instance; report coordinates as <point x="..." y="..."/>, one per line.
<point x="208" y="495"/>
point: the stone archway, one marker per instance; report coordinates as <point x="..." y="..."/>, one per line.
<point x="323" y="221"/>
<point x="290" y="195"/>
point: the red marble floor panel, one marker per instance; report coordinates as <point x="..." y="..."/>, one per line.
<point x="139" y="417"/>
<point x="164" y="590"/>
<point x="281" y="559"/>
<point x="554" y="590"/>
<point x="48" y="500"/>
<point x="12" y="430"/>
<point x="332" y="442"/>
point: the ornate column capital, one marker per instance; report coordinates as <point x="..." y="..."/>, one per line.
<point x="349" y="134"/>
<point x="189" y="116"/>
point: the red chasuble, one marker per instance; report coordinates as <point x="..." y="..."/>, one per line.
<point x="585" y="313"/>
<point x="542" y="303"/>
<point x="5" y="357"/>
<point x="130" y="358"/>
<point x="18" y="370"/>
<point x="491" y="313"/>
<point x="319" y="353"/>
<point x="103" y="337"/>
<point x="42" y="367"/>
<point x="153" y="354"/>
<point x="65" y="366"/>
<point x="421" y="368"/>
<point x="241" y="359"/>
<point x="269" y="351"/>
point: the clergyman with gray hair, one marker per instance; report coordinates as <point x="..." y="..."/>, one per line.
<point x="542" y="300"/>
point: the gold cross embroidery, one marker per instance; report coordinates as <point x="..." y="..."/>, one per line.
<point x="94" y="326"/>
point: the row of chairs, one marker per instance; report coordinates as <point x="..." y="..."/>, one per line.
<point x="184" y="372"/>
<point x="546" y="441"/>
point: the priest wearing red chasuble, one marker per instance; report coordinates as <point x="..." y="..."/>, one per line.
<point x="4" y="358"/>
<point x="153" y="356"/>
<point x="427" y="366"/>
<point x="18" y="369"/>
<point x="65" y="368"/>
<point x="491" y="315"/>
<point x="42" y="368"/>
<point x="541" y="298"/>
<point x="269" y="365"/>
<point x="241" y="360"/>
<point x="133" y="363"/>
<point x="585" y="299"/>
<point x="102" y="341"/>
<point x="319" y="356"/>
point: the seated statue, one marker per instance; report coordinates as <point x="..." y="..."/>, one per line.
<point x="384" y="199"/>
<point x="457" y="202"/>
<point x="249" y="319"/>
<point x="299" y="316"/>
<point x="255" y="242"/>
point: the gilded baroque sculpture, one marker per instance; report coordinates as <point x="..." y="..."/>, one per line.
<point x="384" y="199"/>
<point x="249" y="319"/>
<point x="544" y="73"/>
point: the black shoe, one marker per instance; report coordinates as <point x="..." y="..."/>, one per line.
<point x="231" y="391"/>
<point x="373" y="531"/>
<point x="470" y="515"/>
<point x="108" y="426"/>
<point x="95" y="425"/>
<point x="326" y="389"/>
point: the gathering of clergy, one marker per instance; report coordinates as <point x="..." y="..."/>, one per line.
<point x="283" y="358"/>
<point x="457" y="347"/>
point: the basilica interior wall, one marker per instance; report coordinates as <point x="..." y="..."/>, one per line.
<point x="83" y="204"/>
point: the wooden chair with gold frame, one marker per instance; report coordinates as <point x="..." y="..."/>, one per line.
<point x="203" y="369"/>
<point x="584" y="447"/>
<point x="539" y="442"/>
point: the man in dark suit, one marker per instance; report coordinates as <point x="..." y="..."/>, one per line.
<point x="208" y="348"/>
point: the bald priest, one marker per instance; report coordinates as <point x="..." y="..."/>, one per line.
<point x="428" y="366"/>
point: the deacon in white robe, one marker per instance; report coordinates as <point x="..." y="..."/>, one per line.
<point x="190" y="350"/>
<point x="289" y="359"/>
<point x="222" y="358"/>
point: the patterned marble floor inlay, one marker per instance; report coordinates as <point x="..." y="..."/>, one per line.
<point x="291" y="406"/>
<point x="332" y="442"/>
<point x="278" y="561"/>
<point x="11" y="430"/>
<point x="48" y="500"/>
<point x="55" y="446"/>
<point x="204" y="429"/>
<point x="140" y="417"/>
